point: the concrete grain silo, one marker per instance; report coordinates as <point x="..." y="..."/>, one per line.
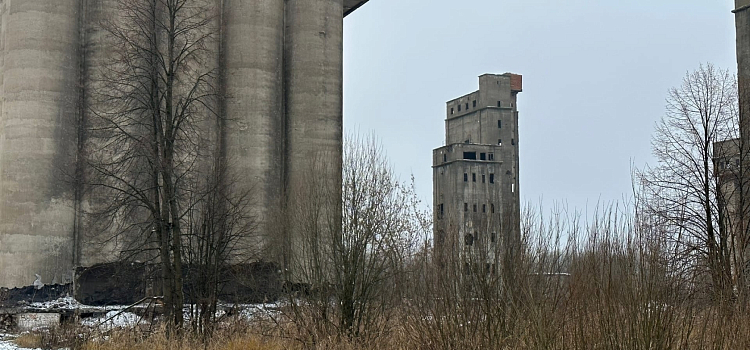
<point x="40" y="42"/>
<point x="281" y="72"/>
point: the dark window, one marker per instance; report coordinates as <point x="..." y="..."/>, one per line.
<point x="451" y="110"/>
<point x="492" y="178"/>
<point x="484" y="208"/>
<point x="513" y="142"/>
<point x="475" y="208"/>
<point x="499" y="104"/>
<point x="470" y="155"/>
<point x="474" y="104"/>
<point x="490" y="156"/>
<point x="482" y="156"/>
<point x="493" y="237"/>
<point x="499" y="142"/>
<point x="483" y="178"/>
<point x="467" y="106"/>
<point x="445" y="158"/>
<point x="487" y="268"/>
<point x="466" y="177"/>
<point x="459" y="108"/>
<point x="467" y="141"/>
<point x="492" y="208"/>
<point x="473" y="177"/>
<point x="441" y="210"/>
<point x="499" y="124"/>
<point x="469" y="239"/>
<point x="466" y="206"/>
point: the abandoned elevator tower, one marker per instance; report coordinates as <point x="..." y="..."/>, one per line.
<point x="475" y="176"/>
<point x="282" y="64"/>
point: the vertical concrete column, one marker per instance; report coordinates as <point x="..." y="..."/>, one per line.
<point x="93" y="244"/>
<point x="254" y="126"/>
<point x="37" y="144"/>
<point x="314" y="107"/>
<point x="742" y="24"/>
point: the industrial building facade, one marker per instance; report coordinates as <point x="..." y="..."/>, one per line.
<point x="282" y="78"/>
<point x="475" y="176"/>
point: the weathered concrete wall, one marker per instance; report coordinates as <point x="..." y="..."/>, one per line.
<point x="36" y="156"/>
<point x="282" y="73"/>
<point x="314" y="104"/>
<point x="254" y="48"/>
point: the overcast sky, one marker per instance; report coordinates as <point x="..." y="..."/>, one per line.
<point x="596" y="74"/>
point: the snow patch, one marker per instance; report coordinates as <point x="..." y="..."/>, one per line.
<point x="113" y="319"/>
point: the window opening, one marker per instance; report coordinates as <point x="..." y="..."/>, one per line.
<point x="484" y="208"/>
<point x="459" y="107"/>
<point x="469" y="239"/>
<point x="445" y="158"/>
<point x="474" y="104"/>
<point x="492" y="208"/>
<point x="499" y="123"/>
<point x="490" y="156"/>
<point x="482" y="156"/>
<point x="499" y="142"/>
<point x="470" y="155"/>
<point x="466" y="177"/>
<point x="513" y="142"/>
<point x="466" y="206"/>
<point x="483" y="178"/>
<point x="473" y="177"/>
<point x="492" y="178"/>
<point x="493" y="237"/>
<point x="467" y="106"/>
<point x="451" y="110"/>
<point x="499" y="103"/>
<point x="475" y="208"/>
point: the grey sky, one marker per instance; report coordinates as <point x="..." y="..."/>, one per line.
<point x="596" y="73"/>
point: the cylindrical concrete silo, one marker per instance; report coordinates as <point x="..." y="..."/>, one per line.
<point x="314" y="107"/>
<point x="253" y="37"/>
<point x="38" y="140"/>
<point x="93" y="243"/>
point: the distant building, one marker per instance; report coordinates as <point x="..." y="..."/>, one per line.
<point x="475" y="176"/>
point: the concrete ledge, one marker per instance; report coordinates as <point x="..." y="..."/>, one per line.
<point x="352" y="5"/>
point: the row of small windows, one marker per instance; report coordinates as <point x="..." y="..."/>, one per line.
<point x="474" y="178"/>
<point x="500" y="142"/>
<point x="728" y="164"/>
<point x="469" y="239"/>
<point x="484" y="208"/>
<point x="474" y="105"/>
<point x="473" y="156"/>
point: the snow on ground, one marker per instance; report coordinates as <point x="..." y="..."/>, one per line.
<point x="113" y="319"/>
<point x="6" y="343"/>
<point x="69" y="303"/>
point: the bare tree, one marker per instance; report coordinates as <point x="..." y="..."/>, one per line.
<point x="149" y="130"/>
<point x="355" y="260"/>
<point x="681" y="189"/>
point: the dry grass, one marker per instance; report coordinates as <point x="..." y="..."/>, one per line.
<point x="29" y="340"/>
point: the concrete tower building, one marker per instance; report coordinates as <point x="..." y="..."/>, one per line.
<point x="282" y="64"/>
<point x="475" y="175"/>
